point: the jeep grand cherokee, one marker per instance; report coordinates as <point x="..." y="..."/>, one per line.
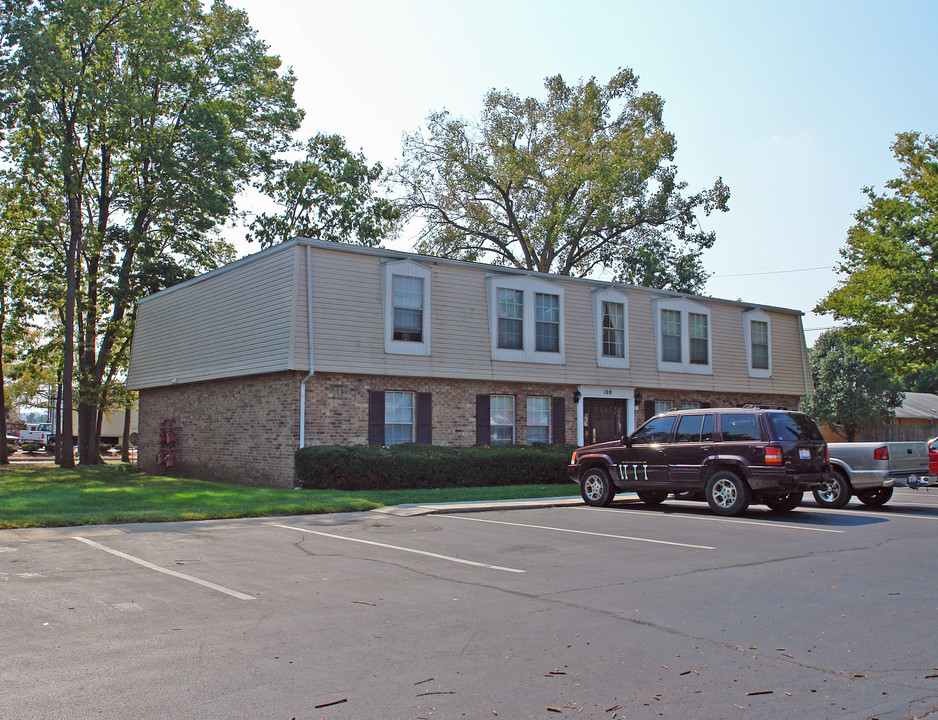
<point x="730" y="456"/>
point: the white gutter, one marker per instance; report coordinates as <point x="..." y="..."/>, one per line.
<point x="309" y="322"/>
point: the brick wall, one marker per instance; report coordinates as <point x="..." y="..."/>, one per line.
<point x="246" y="429"/>
<point x="338" y="406"/>
<point x="241" y="430"/>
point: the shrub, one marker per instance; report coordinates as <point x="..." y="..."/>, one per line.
<point x="371" y="467"/>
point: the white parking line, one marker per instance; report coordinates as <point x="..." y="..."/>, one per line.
<point x="712" y="518"/>
<point x="402" y="549"/>
<point x="582" y="532"/>
<point x="165" y="571"/>
<point x="871" y="513"/>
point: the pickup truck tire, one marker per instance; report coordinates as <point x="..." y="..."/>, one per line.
<point x="784" y="503"/>
<point x="596" y="487"/>
<point x="875" y="497"/>
<point x="652" y="497"/>
<point x="727" y="493"/>
<point x="835" y="492"/>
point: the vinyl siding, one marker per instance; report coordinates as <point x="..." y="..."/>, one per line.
<point x="239" y="321"/>
<point x="252" y="318"/>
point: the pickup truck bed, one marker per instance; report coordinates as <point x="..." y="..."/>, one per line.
<point x="870" y="470"/>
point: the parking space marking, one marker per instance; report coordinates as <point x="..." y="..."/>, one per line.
<point x="871" y="512"/>
<point x="583" y="532"/>
<point x="165" y="571"/>
<point x="402" y="549"/>
<point x="712" y="518"/>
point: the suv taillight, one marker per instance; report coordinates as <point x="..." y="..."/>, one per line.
<point x="773" y="455"/>
<point x="881" y="453"/>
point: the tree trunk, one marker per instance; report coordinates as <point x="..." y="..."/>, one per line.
<point x="4" y="460"/>
<point x="125" y="438"/>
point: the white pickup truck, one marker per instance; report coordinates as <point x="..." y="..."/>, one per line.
<point x="870" y="470"/>
<point x="37" y="434"/>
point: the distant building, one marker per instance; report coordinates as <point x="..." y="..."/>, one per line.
<point x="310" y="342"/>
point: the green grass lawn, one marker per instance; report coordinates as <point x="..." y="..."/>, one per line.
<point x="52" y="497"/>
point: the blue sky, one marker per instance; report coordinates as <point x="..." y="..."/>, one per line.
<point x="794" y="104"/>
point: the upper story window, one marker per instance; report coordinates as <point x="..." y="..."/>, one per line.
<point x="611" y="326"/>
<point x="757" y="334"/>
<point x="682" y="334"/>
<point x="406" y="297"/>
<point x="510" y="319"/>
<point x="526" y="317"/>
<point x="547" y="322"/>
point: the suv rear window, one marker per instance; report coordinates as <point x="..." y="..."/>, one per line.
<point x="793" y="427"/>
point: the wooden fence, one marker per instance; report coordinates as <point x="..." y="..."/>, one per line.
<point x="897" y="433"/>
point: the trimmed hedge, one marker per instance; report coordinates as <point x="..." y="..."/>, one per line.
<point x="372" y="467"/>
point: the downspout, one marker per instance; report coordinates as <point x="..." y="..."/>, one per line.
<point x="309" y="322"/>
<point x="804" y="354"/>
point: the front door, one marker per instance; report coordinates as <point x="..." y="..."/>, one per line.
<point x="604" y="419"/>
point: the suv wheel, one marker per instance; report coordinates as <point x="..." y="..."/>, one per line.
<point x="596" y="488"/>
<point x="834" y="492"/>
<point x="727" y="493"/>
<point x="652" y="497"/>
<point x="784" y="503"/>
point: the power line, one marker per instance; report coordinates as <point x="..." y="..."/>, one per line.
<point x="776" y="272"/>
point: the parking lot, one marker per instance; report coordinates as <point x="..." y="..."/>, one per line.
<point x="621" y="612"/>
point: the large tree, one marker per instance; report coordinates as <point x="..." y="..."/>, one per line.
<point x="849" y="392"/>
<point x="890" y="293"/>
<point x="329" y="194"/>
<point x="145" y="118"/>
<point x="580" y="181"/>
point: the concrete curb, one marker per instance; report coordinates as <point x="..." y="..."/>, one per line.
<point x="476" y="506"/>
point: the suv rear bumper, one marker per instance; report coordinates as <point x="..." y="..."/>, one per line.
<point x="784" y="482"/>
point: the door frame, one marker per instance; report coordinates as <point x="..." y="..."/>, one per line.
<point x="604" y="392"/>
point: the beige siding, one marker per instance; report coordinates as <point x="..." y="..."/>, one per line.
<point x="252" y="318"/>
<point x="240" y="320"/>
<point x="349" y="334"/>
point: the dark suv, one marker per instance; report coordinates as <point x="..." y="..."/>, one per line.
<point x="729" y="456"/>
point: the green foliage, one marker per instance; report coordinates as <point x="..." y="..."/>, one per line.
<point x="890" y="294"/>
<point x="131" y="127"/>
<point x="330" y="195"/>
<point x="581" y="180"/>
<point x="371" y="467"/>
<point x="848" y="392"/>
<point x="922" y="381"/>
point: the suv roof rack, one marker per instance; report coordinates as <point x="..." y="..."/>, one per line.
<point x="765" y="407"/>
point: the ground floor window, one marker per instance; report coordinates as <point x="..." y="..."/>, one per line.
<point x="398" y="417"/>
<point x="502" y="420"/>
<point x="538" y="419"/>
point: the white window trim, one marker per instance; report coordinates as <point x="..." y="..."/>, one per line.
<point x="529" y="286"/>
<point x="411" y="269"/>
<point x="514" y="418"/>
<point x="758" y="316"/>
<point x="616" y="296"/>
<point x="685" y="307"/>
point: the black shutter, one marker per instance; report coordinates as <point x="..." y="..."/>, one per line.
<point x="558" y="420"/>
<point x="375" y="417"/>
<point x="704" y="405"/>
<point x="483" y="420"/>
<point x="425" y="418"/>
<point x="649" y="410"/>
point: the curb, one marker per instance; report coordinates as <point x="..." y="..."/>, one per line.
<point x="476" y="506"/>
